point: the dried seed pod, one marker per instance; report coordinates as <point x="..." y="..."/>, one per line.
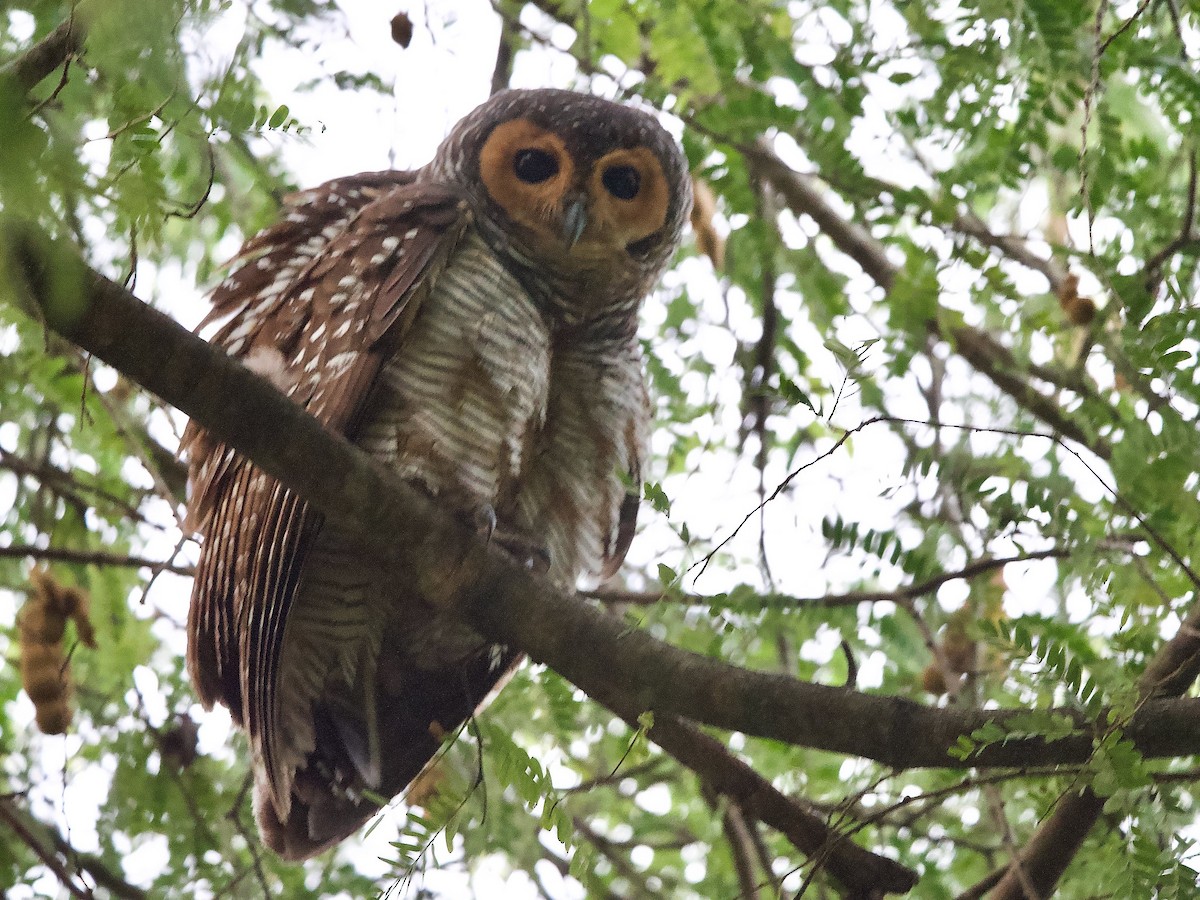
<point x="1079" y="310"/>
<point x="45" y="669"/>
<point x="178" y="744"/>
<point x="933" y="681"/>
<point x="402" y="29"/>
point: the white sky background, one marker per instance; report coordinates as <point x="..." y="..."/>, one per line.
<point x="444" y="74"/>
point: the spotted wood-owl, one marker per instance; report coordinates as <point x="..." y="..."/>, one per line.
<point x="472" y="325"/>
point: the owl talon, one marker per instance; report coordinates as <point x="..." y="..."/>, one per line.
<point x="484" y="521"/>
<point x="532" y="556"/>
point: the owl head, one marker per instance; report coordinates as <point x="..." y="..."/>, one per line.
<point x="582" y="192"/>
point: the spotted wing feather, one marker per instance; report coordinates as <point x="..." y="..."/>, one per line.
<point x="314" y="304"/>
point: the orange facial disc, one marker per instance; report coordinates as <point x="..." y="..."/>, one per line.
<point x="529" y="204"/>
<point x="629" y="220"/>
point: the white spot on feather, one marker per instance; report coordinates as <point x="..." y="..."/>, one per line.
<point x="341" y="362"/>
<point x="269" y="363"/>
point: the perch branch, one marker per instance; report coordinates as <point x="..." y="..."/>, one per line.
<point x="501" y="599"/>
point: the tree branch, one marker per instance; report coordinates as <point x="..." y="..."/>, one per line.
<point x="852" y="598"/>
<point x="625" y="667"/>
<point x="46" y="854"/>
<point x="858" y="869"/>
<point x="91" y="558"/>
<point x="993" y="359"/>
<point x="1044" y="859"/>
<point x="28" y="69"/>
<point x="68" y="485"/>
<point x="1013" y="247"/>
<point x="52" y="849"/>
<point x="737" y="836"/>
<point x="803" y="196"/>
<point x="506" y="51"/>
<point x="612" y="852"/>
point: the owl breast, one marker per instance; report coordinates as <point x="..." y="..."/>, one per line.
<point x="457" y="407"/>
<point x="484" y="406"/>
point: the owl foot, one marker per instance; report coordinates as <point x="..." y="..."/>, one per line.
<point x="483" y="519"/>
<point x="530" y="554"/>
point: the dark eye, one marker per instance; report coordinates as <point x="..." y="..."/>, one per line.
<point x="534" y="166"/>
<point x="622" y="181"/>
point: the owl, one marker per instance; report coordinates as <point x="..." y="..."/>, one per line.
<point x="472" y="326"/>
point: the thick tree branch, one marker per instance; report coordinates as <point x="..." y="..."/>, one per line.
<point x="626" y="668"/>
<point x="36" y="63"/>
<point x="506" y="603"/>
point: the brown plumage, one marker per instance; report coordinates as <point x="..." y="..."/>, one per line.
<point x="472" y="325"/>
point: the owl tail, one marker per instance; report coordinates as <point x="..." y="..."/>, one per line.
<point x="331" y="795"/>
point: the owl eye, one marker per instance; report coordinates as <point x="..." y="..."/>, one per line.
<point x="534" y="166"/>
<point x="622" y="182"/>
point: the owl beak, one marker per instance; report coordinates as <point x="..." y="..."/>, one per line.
<point x="574" y="221"/>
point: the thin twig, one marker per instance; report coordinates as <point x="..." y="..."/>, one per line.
<point x="1118" y="498"/>
<point x="46" y="854"/>
<point x="620" y="863"/>
<point x="650" y="767"/>
<point x="851" y="598"/>
<point x="66" y="482"/>
<point x="1124" y="26"/>
<point x="93" y="558"/>
<point x="1089" y="101"/>
<point x="737" y="836"/>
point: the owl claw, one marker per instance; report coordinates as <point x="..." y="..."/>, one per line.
<point x="532" y="556"/>
<point x="484" y="520"/>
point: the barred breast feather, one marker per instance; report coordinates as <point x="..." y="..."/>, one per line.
<point x="378" y="306"/>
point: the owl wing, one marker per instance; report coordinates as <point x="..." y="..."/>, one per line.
<point x="315" y="304"/>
